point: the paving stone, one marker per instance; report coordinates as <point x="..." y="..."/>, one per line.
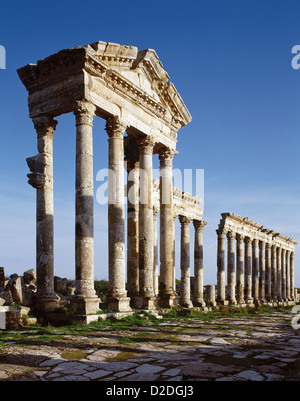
<point x="249" y="375"/>
<point x="149" y="369"/>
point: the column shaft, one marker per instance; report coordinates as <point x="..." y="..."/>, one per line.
<point x="283" y="274"/>
<point x="198" y="298"/>
<point x="288" y="276"/>
<point x="269" y="278"/>
<point x="146" y="145"/>
<point x="248" y="268"/>
<point x="133" y="228"/>
<point x="155" y="253"/>
<point x="185" y="286"/>
<point x="279" y="275"/>
<point x="262" y="271"/>
<point x="292" y="276"/>
<point x="255" y="270"/>
<point x="221" y="267"/>
<point x="117" y="299"/>
<point x="274" y="294"/>
<point x="240" y="268"/>
<point x="167" y="265"/>
<point x="41" y="178"/>
<point x="231" y="268"/>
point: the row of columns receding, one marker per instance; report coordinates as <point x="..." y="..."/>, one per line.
<point x="142" y="258"/>
<point x="257" y="271"/>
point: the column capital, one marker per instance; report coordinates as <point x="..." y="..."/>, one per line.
<point x="44" y="125"/>
<point x="268" y="246"/>
<point x="199" y="225"/>
<point x="262" y="245"/>
<point x="248" y="240"/>
<point x="146" y="145"/>
<point x="166" y="156"/>
<point x="221" y="232"/>
<point x="184" y="220"/>
<point x="115" y="127"/>
<point x="240" y="237"/>
<point x="231" y="235"/>
<point x="84" y="112"/>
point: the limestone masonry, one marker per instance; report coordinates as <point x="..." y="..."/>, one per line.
<point x="132" y="92"/>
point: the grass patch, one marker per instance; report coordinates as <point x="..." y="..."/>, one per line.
<point x="74" y="355"/>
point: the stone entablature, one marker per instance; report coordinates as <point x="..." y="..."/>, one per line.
<point x="117" y="79"/>
<point x="232" y="222"/>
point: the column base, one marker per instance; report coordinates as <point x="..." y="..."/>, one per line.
<point x="46" y="302"/>
<point x="199" y="302"/>
<point x="85" y="305"/>
<point x="118" y="304"/>
<point x="148" y="303"/>
<point x="222" y="302"/>
<point x="168" y="300"/>
<point x="186" y="304"/>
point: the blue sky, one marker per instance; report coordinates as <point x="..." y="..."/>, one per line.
<point x="231" y="63"/>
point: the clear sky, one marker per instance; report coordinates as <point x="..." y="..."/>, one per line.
<point x="231" y="63"/>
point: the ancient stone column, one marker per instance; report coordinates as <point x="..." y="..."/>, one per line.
<point x="288" y="276"/>
<point x="255" y="270"/>
<point x="155" y="252"/>
<point x="262" y="271"/>
<point x="167" y="266"/>
<point x="117" y="299"/>
<point x="132" y="224"/>
<point x="146" y="146"/>
<point x="85" y="298"/>
<point x="248" y="269"/>
<point x="198" y="298"/>
<point x="279" y="274"/>
<point x="283" y="274"/>
<point x="185" y="286"/>
<point x="221" y="267"/>
<point x="41" y="178"/>
<point x="269" y="271"/>
<point x="292" y="266"/>
<point x="274" y="273"/>
<point x="240" y="268"/>
<point x="231" y="268"/>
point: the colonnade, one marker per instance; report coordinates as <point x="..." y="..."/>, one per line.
<point x="260" y="263"/>
<point x="142" y="233"/>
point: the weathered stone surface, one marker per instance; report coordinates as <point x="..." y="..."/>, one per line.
<point x="29" y="276"/>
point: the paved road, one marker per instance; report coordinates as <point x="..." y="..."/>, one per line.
<point x="240" y="348"/>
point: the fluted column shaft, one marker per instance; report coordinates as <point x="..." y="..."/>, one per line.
<point x="262" y="271"/>
<point x="231" y="267"/>
<point x="185" y="287"/>
<point x="248" y="269"/>
<point x="167" y="294"/>
<point x="117" y="295"/>
<point x="198" y="298"/>
<point x="255" y="270"/>
<point x="41" y="178"/>
<point x="221" y="267"/>
<point x="146" y="145"/>
<point x="240" y="268"/>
